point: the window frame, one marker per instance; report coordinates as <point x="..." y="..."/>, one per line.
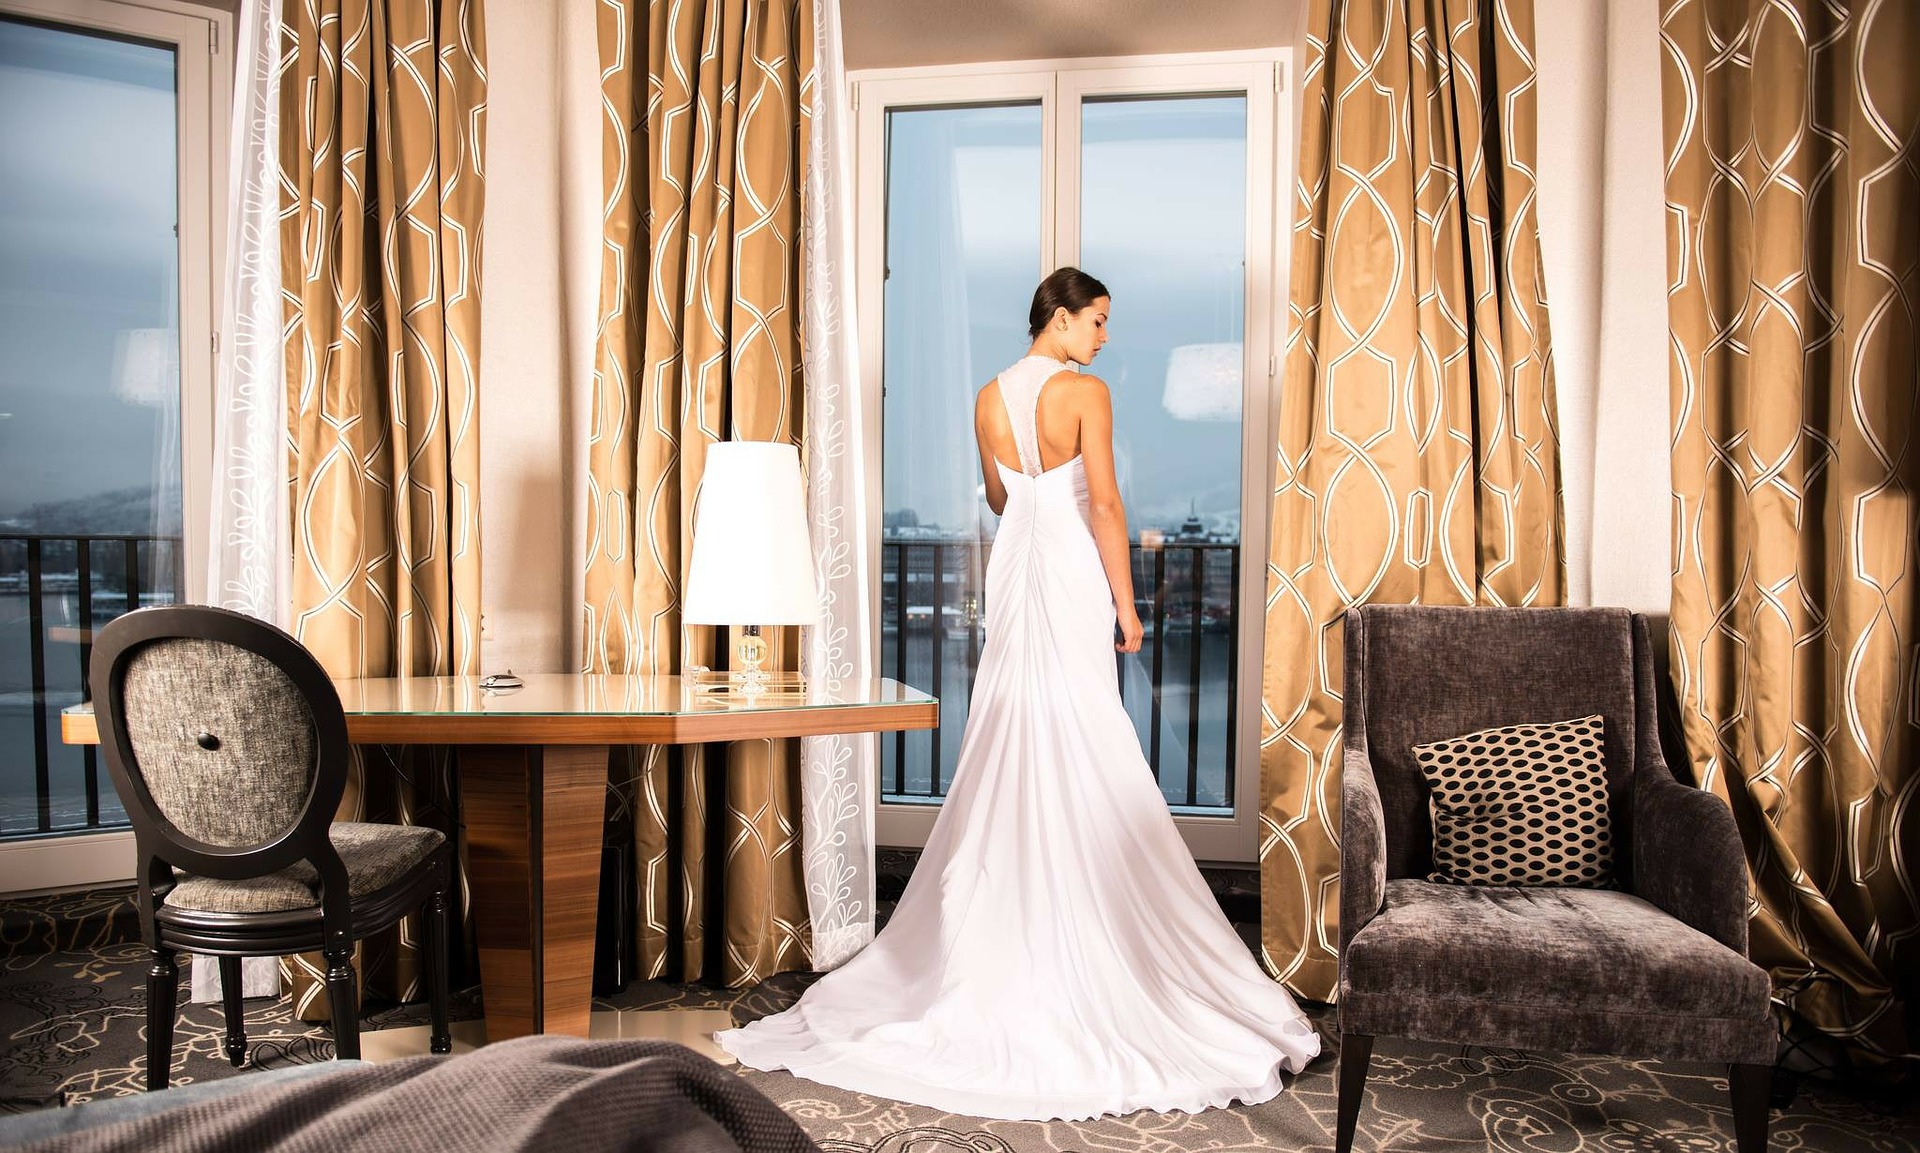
<point x="1266" y="76"/>
<point x="202" y="38"/>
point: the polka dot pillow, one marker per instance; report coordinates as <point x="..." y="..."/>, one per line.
<point x="1521" y="805"/>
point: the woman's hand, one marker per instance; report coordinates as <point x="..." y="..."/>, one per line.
<point x="1130" y="630"/>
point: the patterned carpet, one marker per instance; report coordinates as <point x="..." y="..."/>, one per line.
<point x="72" y="1029"/>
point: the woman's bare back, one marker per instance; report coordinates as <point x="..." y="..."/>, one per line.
<point x="1056" y="421"/>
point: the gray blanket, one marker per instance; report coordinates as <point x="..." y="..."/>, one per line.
<point x="545" y="1094"/>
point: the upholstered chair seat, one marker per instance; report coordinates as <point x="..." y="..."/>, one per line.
<point x="376" y="856"/>
<point x="1573" y="970"/>
<point x="1647" y="961"/>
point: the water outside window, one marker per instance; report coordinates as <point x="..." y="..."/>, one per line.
<point x="90" y="501"/>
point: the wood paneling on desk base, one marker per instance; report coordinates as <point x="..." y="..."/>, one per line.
<point x="533" y="818"/>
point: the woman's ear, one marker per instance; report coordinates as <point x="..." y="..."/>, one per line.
<point x="1061" y="317"/>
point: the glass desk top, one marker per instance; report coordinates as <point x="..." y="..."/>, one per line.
<point x="593" y="708"/>
<point x="598" y="694"/>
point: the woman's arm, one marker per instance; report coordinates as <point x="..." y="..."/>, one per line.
<point x="996" y="489"/>
<point x="1105" y="514"/>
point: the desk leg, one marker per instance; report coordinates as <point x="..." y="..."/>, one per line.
<point x="534" y="817"/>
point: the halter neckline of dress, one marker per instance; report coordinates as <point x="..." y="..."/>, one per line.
<point x="1020" y="387"/>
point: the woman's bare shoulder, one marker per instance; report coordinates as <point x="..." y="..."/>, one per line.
<point x="986" y="404"/>
<point x="1086" y="389"/>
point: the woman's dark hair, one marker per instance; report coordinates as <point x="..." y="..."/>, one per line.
<point x="1067" y="288"/>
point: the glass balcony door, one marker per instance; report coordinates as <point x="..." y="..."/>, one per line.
<point x="108" y="123"/>
<point x="964" y="187"/>
<point x="1159" y="180"/>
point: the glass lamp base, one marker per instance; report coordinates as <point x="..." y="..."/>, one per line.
<point x="749" y="677"/>
<point x="749" y="673"/>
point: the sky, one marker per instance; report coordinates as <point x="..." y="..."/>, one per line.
<point x="87" y="257"/>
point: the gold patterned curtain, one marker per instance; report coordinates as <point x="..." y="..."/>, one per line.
<point x="699" y="341"/>
<point x="1793" y="249"/>
<point x="1418" y="459"/>
<point x="382" y="121"/>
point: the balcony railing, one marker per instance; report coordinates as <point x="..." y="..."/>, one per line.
<point x="55" y="590"/>
<point x="1180" y="689"/>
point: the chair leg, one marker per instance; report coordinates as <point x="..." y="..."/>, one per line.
<point x="340" y="1001"/>
<point x="1752" y="1089"/>
<point x="230" y="990"/>
<point x="1356" y="1050"/>
<point x="163" y="992"/>
<point x="441" y="1041"/>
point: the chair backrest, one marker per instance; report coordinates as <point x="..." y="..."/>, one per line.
<point x="1419" y="673"/>
<point x="224" y="737"/>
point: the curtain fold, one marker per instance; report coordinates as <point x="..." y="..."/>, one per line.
<point x="382" y="108"/>
<point x="840" y="774"/>
<point x="248" y="561"/>
<point x="1793" y="267"/>
<point x="699" y="341"/>
<point x="1418" y="457"/>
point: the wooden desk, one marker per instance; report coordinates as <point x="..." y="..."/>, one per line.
<point x="533" y="774"/>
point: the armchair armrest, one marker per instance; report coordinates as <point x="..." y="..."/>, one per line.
<point x="1363" y="846"/>
<point x="1687" y="857"/>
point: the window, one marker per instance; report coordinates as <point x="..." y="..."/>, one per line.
<point x="112" y="118"/>
<point x="1160" y="178"/>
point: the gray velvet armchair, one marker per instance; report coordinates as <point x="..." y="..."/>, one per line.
<point x="1656" y="968"/>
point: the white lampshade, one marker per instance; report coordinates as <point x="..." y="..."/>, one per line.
<point x="1203" y="381"/>
<point x="752" y="559"/>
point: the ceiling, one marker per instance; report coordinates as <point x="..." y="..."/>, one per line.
<point x="912" y="33"/>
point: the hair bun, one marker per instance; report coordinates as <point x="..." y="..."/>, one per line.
<point x="1067" y="288"/>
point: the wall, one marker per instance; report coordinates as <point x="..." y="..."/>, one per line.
<point x="916" y="33"/>
<point x="1601" y="210"/>
<point x="539" y="299"/>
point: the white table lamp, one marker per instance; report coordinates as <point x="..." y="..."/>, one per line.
<point x="752" y="558"/>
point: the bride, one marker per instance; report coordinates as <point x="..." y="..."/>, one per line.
<point x="1056" y="954"/>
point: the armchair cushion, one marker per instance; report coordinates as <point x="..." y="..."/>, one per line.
<point x="1563" y="968"/>
<point x="375" y="856"/>
<point x="1520" y="805"/>
<point x="1422" y="673"/>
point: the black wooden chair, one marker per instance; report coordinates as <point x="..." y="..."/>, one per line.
<point x="1656" y="968"/>
<point x="228" y="747"/>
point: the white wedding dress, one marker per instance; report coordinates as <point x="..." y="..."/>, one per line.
<point x="1056" y="954"/>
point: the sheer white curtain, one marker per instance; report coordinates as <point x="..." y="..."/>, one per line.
<point x="839" y="779"/>
<point x="247" y="571"/>
<point x="247" y="568"/>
